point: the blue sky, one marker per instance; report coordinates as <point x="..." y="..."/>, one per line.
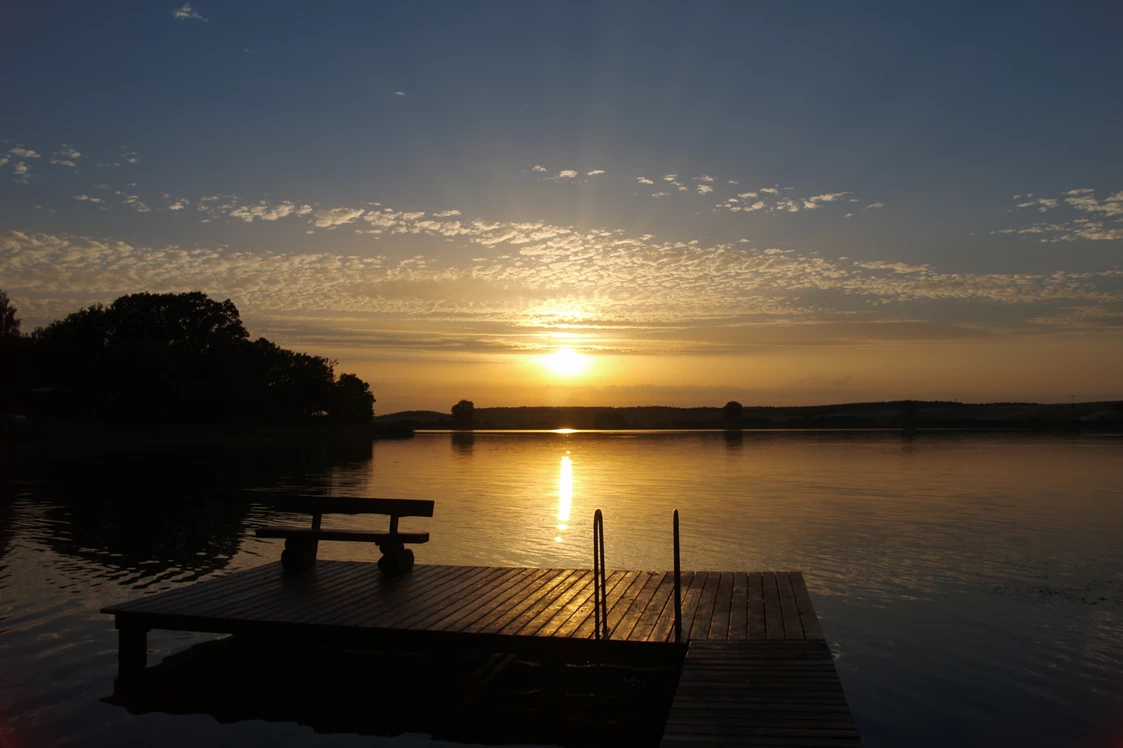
<point x="445" y="184"/>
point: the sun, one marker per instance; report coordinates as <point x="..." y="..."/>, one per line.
<point x="565" y="362"/>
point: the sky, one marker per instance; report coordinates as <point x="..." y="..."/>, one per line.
<point x="590" y="203"/>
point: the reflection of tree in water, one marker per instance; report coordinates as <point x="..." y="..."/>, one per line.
<point x="463" y="442"/>
<point x="734" y="439"/>
<point x="162" y="511"/>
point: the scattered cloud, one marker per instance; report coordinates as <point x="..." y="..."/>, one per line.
<point x="446" y="213"/>
<point x="594" y="172"/>
<point x="399" y="93"/>
<point x="1080" y="213"/>
<point x="567" y="174"/>
<point x="332" y="217"/>
<point x="66" y="156"/>
<point x="704" y="189"/>
<point x="538" y="167"/>
<point x="89" y="199"/>
<point x="644" y="180"/>
<point x="874" y="206"/>
<point x="263" y="211"/>
<point x="187" y="13"/>
<point x="704" y="178"/>
<point x="768" y="199"/>
<point x="20" y="152"/>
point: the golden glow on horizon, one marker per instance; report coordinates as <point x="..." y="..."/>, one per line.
<point x="565" y="362"/>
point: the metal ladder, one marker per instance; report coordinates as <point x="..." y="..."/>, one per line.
<point x="600" y="590"/>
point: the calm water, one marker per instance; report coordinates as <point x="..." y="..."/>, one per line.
<point x="971" y="586"/>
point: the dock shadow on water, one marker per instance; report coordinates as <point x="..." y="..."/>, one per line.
<point x="455" y="695"/>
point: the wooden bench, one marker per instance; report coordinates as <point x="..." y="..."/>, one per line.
<point x="301" y="543"/>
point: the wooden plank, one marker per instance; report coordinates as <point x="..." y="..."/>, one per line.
<point x="810" y="621"/>
<point x="304" y="504"/>
<point x="386" y="597"/>
<point x="424" y="617"/>
<point x="664" y="630"/>
<point x="739" y="607"/>
<point x="561" y="610"/>
<point x="641" y="589"/>
<point x="453" y="592"/>
<point x="300" y="595"/>
<point x="663" y="596"/>
<point x="539" y="606"/>
<point x="204" y="588"/>
<point x="585" y="610"/>
<point x="719" y="623"/>
<point x="494" y="622"/>
<point x="773" y="616"/>
<point x="371" y="590"/>
<point x="643" y="601"/>
<point x="700" y="621"/>
<point x="793" y="628"/>
<point x="757" y="628"/>
<point x="760" y="693"/>
<point x="487" y="600"/>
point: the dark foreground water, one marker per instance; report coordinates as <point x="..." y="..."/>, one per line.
<point x="971" y="585"/>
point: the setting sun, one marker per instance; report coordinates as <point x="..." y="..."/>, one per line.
<point x="565" y="362"/>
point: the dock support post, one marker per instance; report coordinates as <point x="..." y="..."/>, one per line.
<point x="132" y="651"/>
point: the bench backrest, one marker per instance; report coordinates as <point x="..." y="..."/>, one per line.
<point x="321" y="505"/>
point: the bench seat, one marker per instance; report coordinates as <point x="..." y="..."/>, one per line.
<point x="344" y="535"/>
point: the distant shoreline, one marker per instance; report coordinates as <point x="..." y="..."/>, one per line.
<point x="906" y="415"/>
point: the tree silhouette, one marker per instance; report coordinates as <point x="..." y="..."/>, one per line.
<point x="732" y="411"/>
<point x="9" y="322"/>
<point x="463" y="413"/>
<point x="187" y="358"/>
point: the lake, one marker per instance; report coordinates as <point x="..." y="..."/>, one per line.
<point x="970" y="584"/>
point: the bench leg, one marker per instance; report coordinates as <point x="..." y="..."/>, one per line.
<point x="299" y="554"/>
<point x="396" y="559"/>
<point x="132" y="652"/>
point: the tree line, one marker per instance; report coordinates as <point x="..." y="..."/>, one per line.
<point x="168" y="358"/>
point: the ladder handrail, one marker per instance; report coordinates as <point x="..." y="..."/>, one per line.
<point x="678" y="586"/>
<point x="600" y="592"/>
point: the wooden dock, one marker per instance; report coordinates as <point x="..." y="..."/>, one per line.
<point x="756" y="664"/>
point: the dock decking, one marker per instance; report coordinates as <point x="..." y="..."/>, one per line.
<point x="756" y="665"/>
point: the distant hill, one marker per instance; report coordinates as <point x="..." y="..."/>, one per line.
<point x="893" y="414"/>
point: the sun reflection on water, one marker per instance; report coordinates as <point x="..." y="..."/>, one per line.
<point x="565" y="493"/>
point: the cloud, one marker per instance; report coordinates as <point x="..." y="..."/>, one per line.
<point x="768" y="199"/>
<point x="88" y="198"/>
<point x="187" y="13"/>
<point x="704" y="178"/>
<point x="332" y="217"/>
<point x="446" y="213"/>
<point x="134" y="202"/>
<point x="67" y="156"/>
<point x="537" y="167"/>
<point x="704" y="189"/>
<point x="178" y="204"/>
<point x="567" y="174"/>
<point x="263" y="211"/>
<point x="644" y="180"/>
<point x="1088" y="217"/>
<point x="399" y="93"/>
<point x="20" y="152"/>
<point x="594" y="172"/>
<point x="660" y="194"/>
<point x="874" y="206"/>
